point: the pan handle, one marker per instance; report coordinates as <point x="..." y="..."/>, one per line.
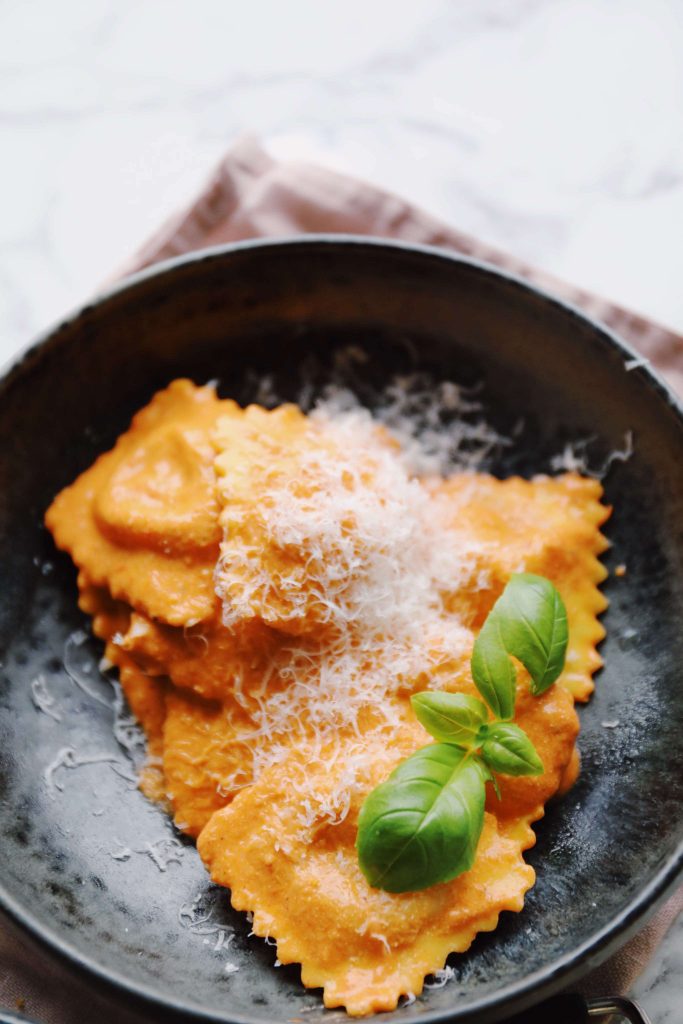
<point x="629" y="1010"/>
<point x="568" y="1009"/>
<point x="574" y="1009"/>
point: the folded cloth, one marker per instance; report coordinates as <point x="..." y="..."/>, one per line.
<point x="250" y="195"/>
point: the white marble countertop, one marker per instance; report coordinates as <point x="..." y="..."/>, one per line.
<point x="552" y="128"/>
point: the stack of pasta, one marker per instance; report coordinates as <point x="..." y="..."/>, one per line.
<point x="273" y="587"/>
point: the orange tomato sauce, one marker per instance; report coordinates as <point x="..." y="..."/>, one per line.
<point x="229" y="652"/>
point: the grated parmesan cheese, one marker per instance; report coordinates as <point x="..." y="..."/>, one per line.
<point x="197" y="917"/>
<point x="127" y="730"/>
<point x="333" y="534"/>
<point x="79" y="665"/>
<point x="43" y="699"/>
<point x="439" y="426"/>
<point x="574" y="457"/>
<point x="163" y="852"/>
<point x="67" y="757"/>
<point x="330" y="536"/>
<point x="441" y="978"/>
<point x="382" y="939"/>
<point x="124" y="853"/>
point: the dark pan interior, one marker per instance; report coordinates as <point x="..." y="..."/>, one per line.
<point x="604" y="853"/>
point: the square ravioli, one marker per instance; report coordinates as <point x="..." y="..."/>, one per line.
<point x="273" y="587"/>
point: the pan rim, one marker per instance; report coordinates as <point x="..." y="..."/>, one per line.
<point x="564" y="969"/>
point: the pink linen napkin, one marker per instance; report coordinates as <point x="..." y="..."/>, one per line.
<point x="249" y="195"/>
<point x="252" y="195"/>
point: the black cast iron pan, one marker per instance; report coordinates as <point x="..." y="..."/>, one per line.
<point x="93" y="870"/>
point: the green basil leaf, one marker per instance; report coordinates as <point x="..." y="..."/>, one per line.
<point x="533" y="626"/>
<point x="528" y="621"/>
<point x="449" y="717"/>
<point x="422" y="826"/>
<point x="492" y="671"/>
<point x="508" y="750"/>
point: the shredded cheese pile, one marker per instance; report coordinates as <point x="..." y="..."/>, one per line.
<point x="327" y="537"/>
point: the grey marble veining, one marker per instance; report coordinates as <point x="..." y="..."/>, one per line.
<point x="552" y="128"/>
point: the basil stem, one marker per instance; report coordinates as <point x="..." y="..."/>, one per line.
<point x="422" y="826"/>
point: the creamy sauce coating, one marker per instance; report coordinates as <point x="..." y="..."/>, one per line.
<point x="235" y="575"/>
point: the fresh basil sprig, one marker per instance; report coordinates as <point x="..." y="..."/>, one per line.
<point x="422" y="826"/>
<point x="529" y="622"/>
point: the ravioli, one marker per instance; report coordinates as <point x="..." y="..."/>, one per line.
<point x="548" y="526"/>
<point x="363" y="946"/>
<point x="272" y="588"/>
<point x="142" y="521"/>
